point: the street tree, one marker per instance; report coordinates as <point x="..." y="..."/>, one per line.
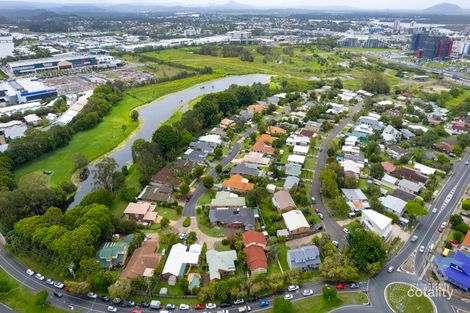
<point x="329" y="293"/>
<point x="281" y="305"/>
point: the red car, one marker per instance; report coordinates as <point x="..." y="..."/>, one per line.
<point x="199" y="307"/>
<point x="440" y="229"/>
<point x="341" y="286"/>
<point x="317" y="210"/>
<point x="454" y="243"/>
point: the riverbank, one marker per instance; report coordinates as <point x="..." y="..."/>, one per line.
<point x="110" y="133"/>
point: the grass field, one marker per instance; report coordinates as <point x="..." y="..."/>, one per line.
<point x="20" y="298"/>
<point x="397" y="296"/>
<point x="455" y="101"/>
<point x="108" y="134"/>
<point x="317" y="304"/>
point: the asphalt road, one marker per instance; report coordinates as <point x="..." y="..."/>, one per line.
<point x="334" y="230"/>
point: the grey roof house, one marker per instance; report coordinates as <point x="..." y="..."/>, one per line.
<point x="233" y="217"/>
<point x="293" y="169"/>
<point x="245" y="169"/>
<point x="291" y="181"/>
<point x="304" y="258"/>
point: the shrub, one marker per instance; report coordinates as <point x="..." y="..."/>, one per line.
<point x="466" y="204"/>
<point x="187" y="221"/>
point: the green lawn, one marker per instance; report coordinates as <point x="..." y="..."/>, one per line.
<point x="20" y="298"/>
<point x="108" y="134"/>
<point x="317" y="304"/>
<point x="207" y="228"/>
<point x="169" y="213"/>
<point x="132" y="180"/>
<point x="283" y="256"/>
<point x="400" y="301"/>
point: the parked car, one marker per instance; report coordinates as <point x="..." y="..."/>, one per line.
<point x="263" y="304"/>
<point x="49" y="282"/>
<point x="341" y="286"/>
<point x="243" y="309"/>
<point x="184" y="307"/>
<point x="58" y="294"/>
<point x="289" y="296"/>
<point x="440" y="229"/>
<point x="335" y="243"/>
<point x="117" y="301"/>
<point x="434" y="210"/>
<point x="91" y="295"/>
<point x="199" y="306"/>
<point x="354" y="286"/>
<point x="414" y="238"/>
<point x="144" y="304"/>
<point x="211" y="306"/>
<point x="307" y="292"/>
<point x="170" y="307"/>
<point x="390" y="269"/>
<point x="239" y="301"/>
<point x="317" y="210"/>
<point x="293" y="288"/>
<point x="320" y="215"/>
<point x="225" y="305"/>
<point x="454" y="243"/>
<point x="105" y="298"/>
<point x="112" y="309"/>
<point x="39" y="276"/>
<point x="345" y="230"/>
<point x="30" y="272"/>
<point x="58" y="285"/>
<point x="421" y="249"/>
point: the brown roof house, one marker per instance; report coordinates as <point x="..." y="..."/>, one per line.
<point x="142" y="212"/>
<point x="237" y="183"/>
<point x="261" y="147"/>
<point x="274" y="130"/>
<point x="255" y="243"/>
<point x="283" y="201"/>
<point x="143" y="262"/>
<point x="156" y="194"/>
<point x="165" y="176"/>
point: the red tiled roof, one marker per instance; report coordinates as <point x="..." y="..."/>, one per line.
<point x="274" y="130"/>
<point x="466" y="241"/>
<point x="261" y="147"/>
<point x="388" y="167"/>
<point x="238" y="182"/>
<point x="253" y="236"/>
<point x="256" y="258"/>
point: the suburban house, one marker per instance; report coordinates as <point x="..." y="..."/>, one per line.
<point x="275" y="131"/>
<point x="388" y="179"/>
<point x="291" y="182"/>
<point x="370" y="121"/>
<point x="212" y="140"/>
<point x="388" y="167"/>
<point x="465" y="246"/>
<point x="401" y="194"/>
<point x="301" y="150"/>
<point x="393" y="204"/>
<point x="225" y="199"/>
<point x="294" y="158"/>
<point x="237" y="183"/>
<point x="142" y="212"/>
<point x="227" y="123"/>
<point x="424" y="169"/>
<point x="296" y="222"/>
<point x="182" y="167"/>
<point x="377" y="223"/>
<point x="262" y="147"/>
<point x="407" y="134"/>
<point x="203" y="146"/>
<point x="266" y="138"/>
<point x="307" y="133"/>
<point x="196" y="156"/>
<point x="294" y="140"/>
<point x="293" y="169"/>
<point x="233" y="217"/>
<point x="283" y="201"/>
<point x="256" y="107"/>
<point x="444" y="147"/>
<point x="356" y="199"/>
<point x="409" y="186"/>
<point x="313" y="126"/>
<point x="254" y="245"/>
<point x="112" y="254"/>
<point x="245" y="170"/>
<point x="179" y="257"/>
<point x="460" y="127"/>
<point x="143" y="261"/>
<point x="304" y="258"/>
<point x="396" y="152"/>
<point x="411" y="174"/>
<point x="165" y="176"/>
<point x="156" y="194"/>
<point x="456" y="269"/>
<point x="255" y="158"/>
<point x="391" y="135"/>
<point x="221" y="263"/>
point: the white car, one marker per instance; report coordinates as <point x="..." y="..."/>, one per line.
<point x="30" y="272"/>
<point x="444" y="224"/>
<point x="211" y="306"/>
<point x="59" y="285"/>
<point x="292" y="288"/>
<point x="50" y="281"/>
<point x="390" y="269"/>
<point x="335" y="243"/>
<point x="112" y="309"/>
<point x="421" y="249"/>
<point x="288" y="296"/>
<point x="434" y="210"/>
<point x="39" y="276"/>
<point x="91" y="295"/>
<point x="346" y="231"/>
<point x="184" y="307"/>
<point x="307" y="292"/>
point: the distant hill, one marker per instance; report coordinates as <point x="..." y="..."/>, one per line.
<point x="445" y="8"/>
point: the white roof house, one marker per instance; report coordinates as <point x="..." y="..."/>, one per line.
<point x="351" y="149"/>
<point x="409" y="186"/>
<point x="294" y="158"/>
<point x="393" y="204"/>
<point x="376" y="222"/>
<point x="211" y="139"/>
<point x="350" y="141"/>
<point x="389" y="179"/>
<point x="302" y="150"/>
<point x="31" y="118"/>
<point x="294" y="140"/>
<point x="179" y="257"/>
<point x="426" y="170"/>
<point x="295" y="220"/>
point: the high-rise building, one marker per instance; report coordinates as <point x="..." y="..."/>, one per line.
<point x="396" y="25"/>
<point x="431" y="46"/>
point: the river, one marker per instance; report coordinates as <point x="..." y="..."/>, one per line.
<point x="160" y="110"/>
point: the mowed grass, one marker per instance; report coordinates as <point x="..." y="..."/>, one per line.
<point x="397" y="296"/>
<point x="114" y="129"/>
<point x="317" y="304"/>
<point x="21" y="299"/>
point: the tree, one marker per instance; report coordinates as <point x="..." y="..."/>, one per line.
<point x="375" y="83"/>
<point x="88" y="268"/>
<point x="101" y="196"/>
<point x="466" y="204"/>
<point x="455" y="219"/>
<point x="120" y="289"/>
<point x="135" y="115"/>
<point x="218" y="152"/>
<point x="218" y="168"/>
<point x="364" y="248"/>
<point x="80" y="161"/>
<point x="414" y="209"/>
<point x="329" y="293"/>
<point x="184" y="189"/>
<point x="78" y="287"/>
<point x="281" y="305"/>
<point x="350" y="182"/>
<point x="198" y="171"/>
<point x="104" y="174"/>
<point x="338" y="267"/>
<point x="164" y="222"/>
<point x="40" y="298"/>
<point x="377" y="170"/>
<point x="208" y="182"/>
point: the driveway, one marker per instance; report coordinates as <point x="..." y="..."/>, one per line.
<point x="201" y="237"/>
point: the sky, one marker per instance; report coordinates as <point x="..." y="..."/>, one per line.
<point x="366" y="4"/>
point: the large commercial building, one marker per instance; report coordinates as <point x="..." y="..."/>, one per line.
<point x="431" y="46"/>
<point x="61" y="62"/>
<point x="24" y="90"/>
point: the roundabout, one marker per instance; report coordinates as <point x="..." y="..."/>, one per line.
<point x="406" y="298"/>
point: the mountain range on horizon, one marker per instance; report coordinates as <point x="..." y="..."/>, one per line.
<point x="441" y="8"/>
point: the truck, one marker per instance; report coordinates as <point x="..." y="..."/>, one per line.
<point x="155" y="305"/>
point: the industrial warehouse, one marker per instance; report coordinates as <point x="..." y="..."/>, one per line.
<point x="24" y="90"/>
<point x="61" y="62"/>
